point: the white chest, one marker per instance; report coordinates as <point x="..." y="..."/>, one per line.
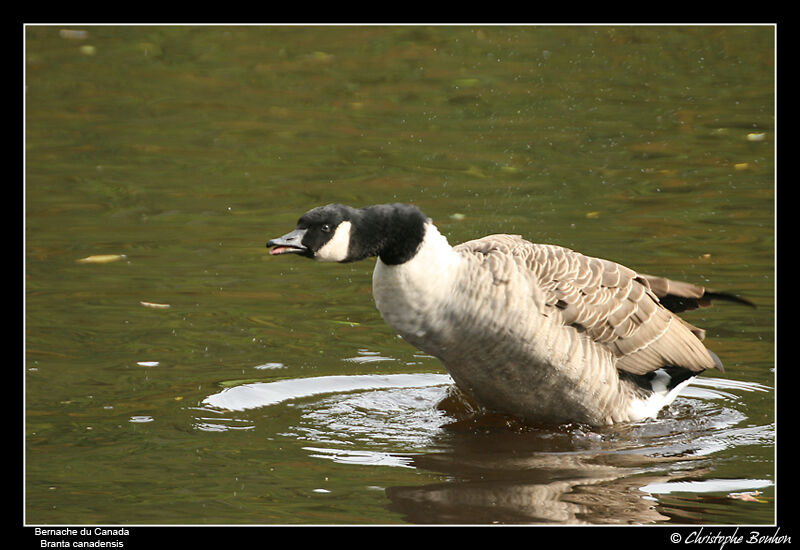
<point x="411" y="296"/>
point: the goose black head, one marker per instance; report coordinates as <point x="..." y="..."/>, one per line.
<point x="339" y="233"/>
<point x="322" y="233"/>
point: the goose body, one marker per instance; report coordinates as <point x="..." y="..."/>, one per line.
<point x="532" y="330"/>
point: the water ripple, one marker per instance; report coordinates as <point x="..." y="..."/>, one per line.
<point x="262" y="394"/>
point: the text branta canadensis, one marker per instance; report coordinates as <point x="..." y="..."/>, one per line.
<point x="531" y="330"/>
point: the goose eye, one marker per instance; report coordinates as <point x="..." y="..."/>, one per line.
<point x="326" y="228"/>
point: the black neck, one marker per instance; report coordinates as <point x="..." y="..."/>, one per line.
<point x="392" y="232"/>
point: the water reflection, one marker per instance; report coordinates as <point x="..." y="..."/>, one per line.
<point x="536" y="475"/>
<point x="496" y="470"/>
<point x="605" y="496"/>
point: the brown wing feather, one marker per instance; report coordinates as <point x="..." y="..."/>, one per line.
<point x="612" y="304"/>
<point x="678" y="296"/>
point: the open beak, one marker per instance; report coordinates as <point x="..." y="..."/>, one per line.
<point x="291" y="243"/>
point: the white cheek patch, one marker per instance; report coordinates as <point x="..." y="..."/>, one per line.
<point x="335" y="250"/>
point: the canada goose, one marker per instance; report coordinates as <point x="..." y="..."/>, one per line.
<point x="530" y="330"/>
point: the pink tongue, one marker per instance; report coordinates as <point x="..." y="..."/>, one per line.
<point x="278" y="250"/>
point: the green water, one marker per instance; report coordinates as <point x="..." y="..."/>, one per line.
<point x="181" y="150"/>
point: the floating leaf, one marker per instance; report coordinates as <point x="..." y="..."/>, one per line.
<point x="270" y="366"/>
<point x="466" y="82"/>
<point x="101" y="259"/>
<point x="73" y="34"/>
<point x="748" y="496"/>
<point x="345" y="323"/>
<point x="321" y="56"/>
<point x="155" y="305"/>
<point x="474" y="171"/>
<point x="264" y="321"/>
